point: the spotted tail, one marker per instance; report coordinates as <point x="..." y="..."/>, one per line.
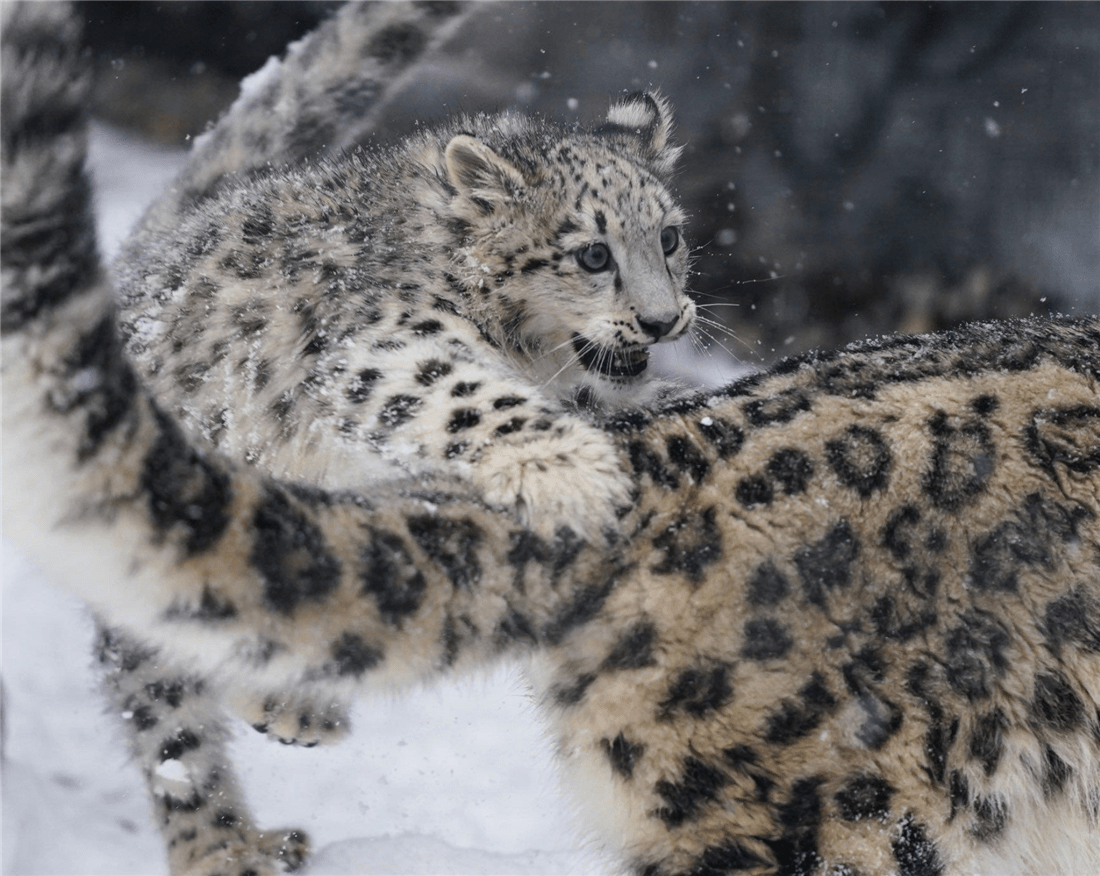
<point x="327" y="94"/>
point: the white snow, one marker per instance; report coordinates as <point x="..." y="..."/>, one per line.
<point x="172" y="777"/>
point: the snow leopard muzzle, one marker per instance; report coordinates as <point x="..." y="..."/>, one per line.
<point x="608" y="362"/>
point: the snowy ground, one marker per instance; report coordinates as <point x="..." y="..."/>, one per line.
<point x="458" y="779"/>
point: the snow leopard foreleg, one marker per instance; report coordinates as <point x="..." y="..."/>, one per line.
<point x="177" y="735"/>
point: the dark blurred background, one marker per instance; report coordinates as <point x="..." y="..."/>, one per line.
<point x="851" y="168"/>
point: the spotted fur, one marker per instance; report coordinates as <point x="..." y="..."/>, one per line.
<point x="849" y="621"/>
<point x="391" y="312"/>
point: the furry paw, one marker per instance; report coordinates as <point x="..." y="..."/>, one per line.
<point x="570" y="479"/>
<point x="252" y="853"/>
<point x="296" y="720"/>
<point x="288" y="847"/>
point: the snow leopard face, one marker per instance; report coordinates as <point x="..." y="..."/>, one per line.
<point x="574" y="245"/>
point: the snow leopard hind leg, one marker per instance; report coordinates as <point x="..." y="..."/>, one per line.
<point x="177" y="735"/>
<point x="175" y="727"/>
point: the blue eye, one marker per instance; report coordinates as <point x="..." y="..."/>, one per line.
<point x="670" y="239"/>
<point x="594" y="258"/>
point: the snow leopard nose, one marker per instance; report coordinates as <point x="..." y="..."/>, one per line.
<point x="658" y="328"/>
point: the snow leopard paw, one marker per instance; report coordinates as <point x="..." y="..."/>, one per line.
<point x="297" y="720"/>
<point x="252" y="853"/>
<point x="564" y="480"/>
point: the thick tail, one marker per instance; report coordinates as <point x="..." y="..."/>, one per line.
<point x="325" y="95"/>
<point x="48" y="252"/>
<point x="231" y="570"/>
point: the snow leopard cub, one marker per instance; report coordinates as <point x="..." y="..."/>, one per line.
<point x="388" y="311"/>
<point x="339" y="317"/>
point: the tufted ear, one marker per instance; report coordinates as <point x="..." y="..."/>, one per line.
<point x="479" y="173"/>
<point x="645" y="117"/>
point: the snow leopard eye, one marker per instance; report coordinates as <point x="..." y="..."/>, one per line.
<point x="670" y="239"/>
<point x="594" y="258"/>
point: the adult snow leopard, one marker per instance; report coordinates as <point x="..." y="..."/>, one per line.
<point x="847" y="619"/>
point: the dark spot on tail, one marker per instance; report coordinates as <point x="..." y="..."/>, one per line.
<point x="185" y="490"/>
<point x="699" y="785"/>
<point x="451" y="544"/>
<point x="623" y="754"/>
<point x="696" y="691"/>
<point x="580" y="609"/>
<point x="725" y="858"/>
<point x="113" y="387"/>
<point x="572" y="693"/>
<point x="290" y="553"/>
<point x="390" y="576"/>
<point x="634" y="649"/>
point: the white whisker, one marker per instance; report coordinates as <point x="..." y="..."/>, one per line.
<point x="573" y="359"/>
<point x="713" y="340"/>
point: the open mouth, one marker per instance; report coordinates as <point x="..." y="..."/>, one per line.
<point x="608" y="362"/>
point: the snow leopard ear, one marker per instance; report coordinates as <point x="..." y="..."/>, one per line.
<point x="479" y="173"/>
<point x="645" y="117"/>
